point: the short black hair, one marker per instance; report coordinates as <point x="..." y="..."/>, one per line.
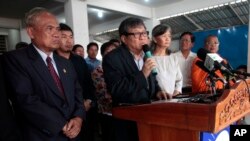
<point x="242" y="67"/>
<point x="76" y="46"/>
<point x="92" y="44"/>
<point x="65" y="27"/>
<point x="188" y="33"/>
<point x="20" y="45"/>
<point x="114" y="40"/>
<point x="105" y="46"/>
<point x="160" y="29"/>
<point x="130" y="22"/>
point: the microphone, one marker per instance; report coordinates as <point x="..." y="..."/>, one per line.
<point x="148" y="55"/>
<point x="200" y="64"/>
<point x="212" y="61"/>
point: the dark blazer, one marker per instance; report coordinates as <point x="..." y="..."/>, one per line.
<point x="40" y="107"/>
<point x="125" y="81"/>
<point x="127" y="85"/>
<point x="85" y="80"/>
<point x="9" y="129"/>
<point x="84" y="76"/>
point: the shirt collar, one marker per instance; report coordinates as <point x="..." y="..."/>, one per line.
<point x="141" y="55"/>
<point x="44" y="55"/>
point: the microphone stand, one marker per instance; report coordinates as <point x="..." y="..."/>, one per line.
<point x="213" y="80"/>
<point x="212" y="84"/>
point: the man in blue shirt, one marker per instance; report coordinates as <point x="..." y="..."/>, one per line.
<point x="91" y="60"/>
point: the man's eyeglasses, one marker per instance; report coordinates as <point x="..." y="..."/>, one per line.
<point x="185" y="40"/>
<point x="212" y="43"/>
<point x="137" y="35"/>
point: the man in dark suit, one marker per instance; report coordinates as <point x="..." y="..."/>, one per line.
<point x="9" y="129"/>
<point x="46" y="95"/>
<point x="128" y="76"/>
<point x="84" y="78"/>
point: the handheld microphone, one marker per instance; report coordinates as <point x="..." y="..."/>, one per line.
<point x="212" y="60"/>
<point x="148" y="55"/>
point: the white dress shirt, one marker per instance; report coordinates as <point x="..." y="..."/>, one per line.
<point x="185" y="66"/>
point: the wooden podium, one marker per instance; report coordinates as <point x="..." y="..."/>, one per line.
<point x="179" y="121"/>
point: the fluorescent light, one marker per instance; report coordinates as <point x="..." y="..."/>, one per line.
<point x="100" y="14"/>
<point x="106" y="31"/>
<point x="201" y="9"/>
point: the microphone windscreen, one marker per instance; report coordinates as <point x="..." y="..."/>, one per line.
<point x="145" y="48"/>
<point x="200" y="64"/>
<point x="202" y="53"/>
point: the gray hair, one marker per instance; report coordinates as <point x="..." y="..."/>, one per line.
<point x="32" y="14"/>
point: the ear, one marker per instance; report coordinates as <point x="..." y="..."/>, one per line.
<point x="123" y="38"/>
<point x="30" y="32"/>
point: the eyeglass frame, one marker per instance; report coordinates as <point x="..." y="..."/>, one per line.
<point x="186" y="40"/>
<point x="137" y="35"/>
<point x="209" y="44"/>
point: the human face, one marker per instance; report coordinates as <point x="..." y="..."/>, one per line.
<point x="135" y="43"/>
<point x="186" y="43"/>
<point x="44" y="33"/>
<point x="67" y="41"/>
<point x="164" y="40"/>
<point x="212" y="44"/>
<point x="80" y="51"/>
<point x="92" y="52"/>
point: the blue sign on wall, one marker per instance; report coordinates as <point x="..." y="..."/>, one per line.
<point x="233" y="43"/>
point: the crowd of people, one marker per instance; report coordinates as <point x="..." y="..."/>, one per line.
<point x="51" y="91"/>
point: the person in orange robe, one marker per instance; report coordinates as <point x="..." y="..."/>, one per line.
<point x="200" y="76"/>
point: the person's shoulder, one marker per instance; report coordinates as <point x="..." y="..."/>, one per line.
<point x="115" y="52"/>
<point x="16" y="53"/>
<point x="61" y="59"/>
<point x="76" y="57"/>
<point x="174" y="57"/>
<point x="177" y="52"/>
<point x="192" y="54"/>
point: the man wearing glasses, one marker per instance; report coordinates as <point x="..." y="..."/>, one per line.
<point x="128" y="76"/>
<point x="199" y="76"/>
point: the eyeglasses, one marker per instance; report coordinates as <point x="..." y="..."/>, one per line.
<point x="137" y="35"/>
<point x="211" y="43"/>
<point x="185" y="40"/>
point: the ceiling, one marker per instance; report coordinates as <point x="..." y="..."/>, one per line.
<point x="206" y="19"/>
<point x="223" y="16"/>
<point x="219" y="17"/>
<point x="154" y="3"/>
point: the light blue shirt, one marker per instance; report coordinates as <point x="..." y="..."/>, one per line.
<point x="92" y="63"/>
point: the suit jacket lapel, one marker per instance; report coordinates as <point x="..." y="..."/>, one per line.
<point x="63" y="72"/>
<point x="41" y="68"/>
<point x="130" y="59"/>
<point x="131" y="62"/>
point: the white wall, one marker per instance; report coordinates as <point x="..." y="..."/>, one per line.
<point x="9" y="23"/>
<point x="174" y="45"/>
<point x="13" y="38"/>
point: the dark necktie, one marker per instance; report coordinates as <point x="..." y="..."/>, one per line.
<point x="55" y="76"/>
